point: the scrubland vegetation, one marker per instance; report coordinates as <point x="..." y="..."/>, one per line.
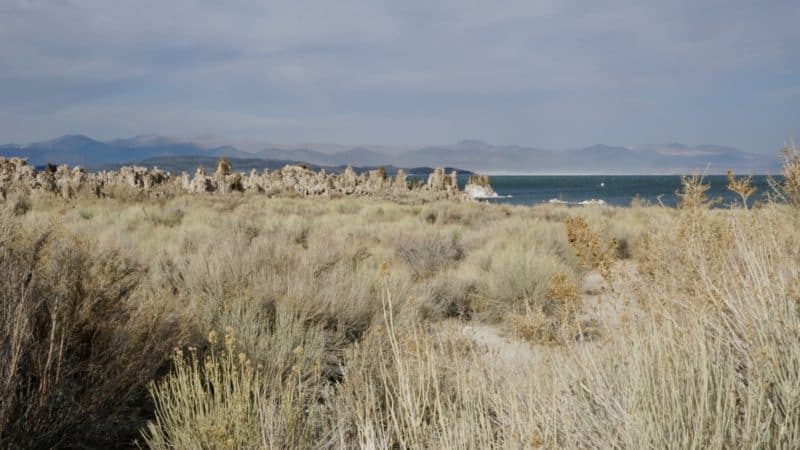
<point x="241" y="321"/>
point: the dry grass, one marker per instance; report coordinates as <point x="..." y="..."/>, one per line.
<point x="80" y="336"/>
<point x="249" y="322"/>
<point x="791" y="174"/>
<point x="426" y="254"/>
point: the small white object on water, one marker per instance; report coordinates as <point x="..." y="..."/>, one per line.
<point x="602" y="184"/>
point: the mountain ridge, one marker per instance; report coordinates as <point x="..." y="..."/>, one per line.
<point x="469" y="154"/>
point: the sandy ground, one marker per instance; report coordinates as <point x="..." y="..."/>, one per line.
<point x="609" y="304"/>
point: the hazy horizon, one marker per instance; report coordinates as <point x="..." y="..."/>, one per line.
<point x="386" y="147"/>
<point x="478" y="156"/>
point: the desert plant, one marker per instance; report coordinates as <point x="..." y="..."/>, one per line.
<point x="168" y="217"/>
<point x="360" y="325"/>
<point x="791" y="174"/>
<point x="693" y="193"/>
<point x="21" y="204"/>
<point x="553" y="321"/>
<point x="75" y="348"/>
<point x="405" y="387"/>
<point x="428" y="253"/>
<point x="223" y="398"/>
<point x="449" y="295"/>
<point x="593" y="252"/>
<point x="517" y="279"/>
<point x="712" y="365"/>
<point x="742" y="186"/>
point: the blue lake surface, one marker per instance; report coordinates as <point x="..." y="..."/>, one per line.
<point x="613" y="189"/>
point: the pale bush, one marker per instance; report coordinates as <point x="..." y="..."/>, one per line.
<point x="406" y="387"/>
<point x="715" y="366"/>
<point x="429" y="253"/>
<point x="374" y="328"/>
<point x="76" y="343"/>
<point x="450" y="294"/>
<point x="516" y="279"/>
<point x="228" y="399"/>
<point x="791" y="174"/>
<point x="165" y="216"/>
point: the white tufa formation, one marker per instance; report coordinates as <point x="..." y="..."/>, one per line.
<point x="478" y="187"/>
<point x="17" y="176"/>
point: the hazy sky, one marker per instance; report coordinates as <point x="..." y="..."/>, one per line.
<point x="551" y="74"/>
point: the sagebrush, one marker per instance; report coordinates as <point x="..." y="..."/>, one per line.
<point x="243" y="321"/>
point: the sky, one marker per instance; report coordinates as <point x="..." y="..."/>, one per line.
<point x="540" y="73"/>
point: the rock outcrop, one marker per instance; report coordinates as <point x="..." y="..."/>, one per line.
<point x="439" y="181"/>
<point x="478" y="187"/>
<point x="17" y="176"/>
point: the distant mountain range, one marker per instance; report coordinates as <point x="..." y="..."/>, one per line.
<point x="470" y="155"/>
<point x="85" y="151"/>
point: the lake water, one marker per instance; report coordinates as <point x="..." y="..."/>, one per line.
<point x="615" y="190"/>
